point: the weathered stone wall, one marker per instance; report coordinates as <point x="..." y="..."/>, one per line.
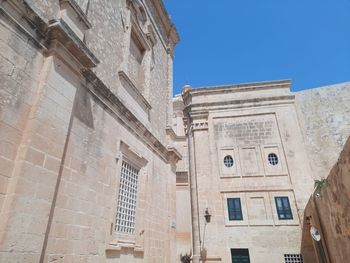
<point x="66" y="127"/>
<point x="247" y="122"/>
<point x="328" y="211"/>
<point x="324" y="117"/>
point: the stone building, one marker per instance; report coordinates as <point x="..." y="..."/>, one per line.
<point x="99" y="163"/>
<point x="254" y="151"/>
<point x="87" y="170"/>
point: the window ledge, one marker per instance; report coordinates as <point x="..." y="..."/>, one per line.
<point x="139" y="97"/>
<point x="121" y="245"/>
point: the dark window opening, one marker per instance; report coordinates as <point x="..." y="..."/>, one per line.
<point x="234" y="209"/>
<point x="283" y="208"/>
<point x="240" y="255"/>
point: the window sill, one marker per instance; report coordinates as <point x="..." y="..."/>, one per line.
<point x="115" y="247"/>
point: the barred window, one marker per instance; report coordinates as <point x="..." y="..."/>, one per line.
<point x="273" y="159"/>
<point x="293" y="258"/>
<point x="126" y="208"/>
<point x="228" y="161"/>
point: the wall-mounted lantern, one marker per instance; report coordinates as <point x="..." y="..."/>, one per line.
<point x="207" y="215"/>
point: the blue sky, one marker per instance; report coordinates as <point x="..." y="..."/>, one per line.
<point x="235" y="41"/>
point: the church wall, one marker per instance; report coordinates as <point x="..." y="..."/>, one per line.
<point x="65" y="131"/>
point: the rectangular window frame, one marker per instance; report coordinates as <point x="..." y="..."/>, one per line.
<point x="125" y="217"/>
<point x="284" y="212"/>
<point x="234" y="214"/>
<point x="242" y="253"/>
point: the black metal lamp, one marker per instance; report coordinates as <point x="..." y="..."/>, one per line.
<point x="207" y="215"/>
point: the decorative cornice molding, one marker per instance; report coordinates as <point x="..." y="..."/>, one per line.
<point x="200" y="126"/>
<point x="45" y="35"/>
<point x="288" y="99"/>
<point x="60" y="31"/>
<point x="236" y="88"/>
<point x="26" y="21"/>
<point x="127" y="118"/>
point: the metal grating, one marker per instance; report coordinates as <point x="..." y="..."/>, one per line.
<point x="126" y="208"/>
<point x="293" y="258"/>
<point x="273" y="159"/>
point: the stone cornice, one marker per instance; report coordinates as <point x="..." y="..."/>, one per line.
<point x="127" y="118"/>
<point x="60" y="31"/>
<point x="244" y="87"/>
<point x="170" y="132"/>
<point x="45" y="35"/>
<point x="25" y="20"/>
<point x="165" y="18"/>
<point x="220" y="105"/>
<point x="167" y="33"/>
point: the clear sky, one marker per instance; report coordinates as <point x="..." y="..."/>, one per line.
<point x="235" y="41"/>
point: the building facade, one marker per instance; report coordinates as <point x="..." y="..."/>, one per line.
<point x="99" y="163"/>
<point x="249" y="148"/>
<point x="87" y="168"/>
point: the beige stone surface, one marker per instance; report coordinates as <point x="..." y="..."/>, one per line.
<point x="328" y="211"/>
<point x="324" y="117"/>
<point x="78" y="98"/>
<point x="65" y="129"/>
<point x="246" y="121"/>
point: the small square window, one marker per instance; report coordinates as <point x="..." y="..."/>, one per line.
<point x="293" y="258"/>
<point x="283" y="208"/>
<point x="234" y="209"/>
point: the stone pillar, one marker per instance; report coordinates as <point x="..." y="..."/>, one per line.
<point x="194" y="198"/>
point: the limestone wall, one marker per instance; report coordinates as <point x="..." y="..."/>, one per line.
<point x="247" y="122"/>
<point x="66" y="125"/>
<point x="329" y="213"/>
<point x="324" y="117"/>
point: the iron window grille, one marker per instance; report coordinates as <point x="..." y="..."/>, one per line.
<point x="272" y="158"/>
<point x="283" y="208"/>
<point x="293" y="258"/>
<point x="234" y="209"/>
<point x="228" y="161"/>
<point x="126" y="207"/>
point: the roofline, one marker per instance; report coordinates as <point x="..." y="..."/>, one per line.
<point x="166" y="20"/>
<point x="284" y="83"/>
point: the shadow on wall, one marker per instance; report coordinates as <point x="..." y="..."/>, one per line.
<point x="326" y="233"/>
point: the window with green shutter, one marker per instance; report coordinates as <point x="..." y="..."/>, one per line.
<point x="234" y="209"/>
<point x="283" y="208"/>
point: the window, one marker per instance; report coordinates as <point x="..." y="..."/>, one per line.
<point x="283" y="208"/>
<point x="293" y="258"/>
<point x="234" y="209"/>
<point x="240" y="255"/>
<point x="273" y="159"/>
<point x="136" y="70"/>
<point x="228" y="161"/>
<point x="126" y="208"/>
